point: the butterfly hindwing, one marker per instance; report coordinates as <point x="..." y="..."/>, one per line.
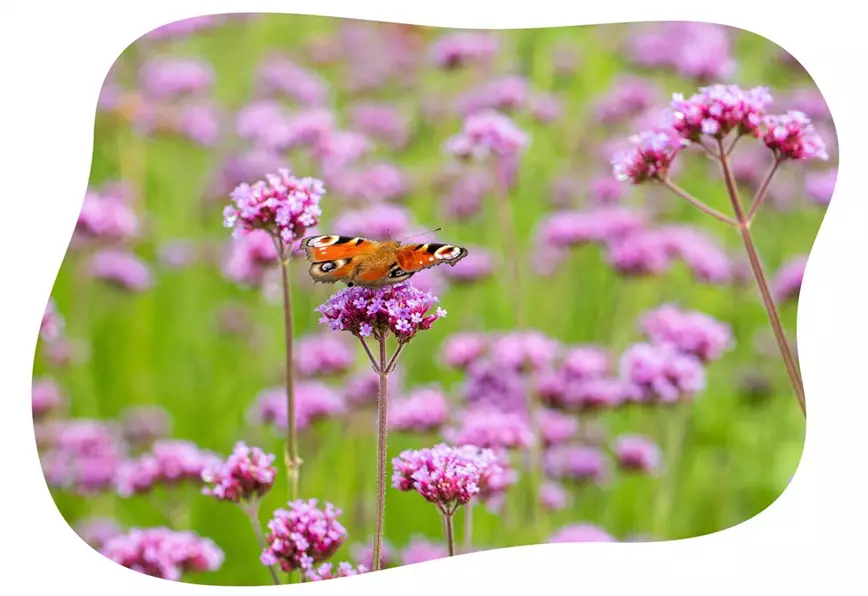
<point x="331" y="271"/>
<point x="415" y="257"/>
<point x="333" y="248"/>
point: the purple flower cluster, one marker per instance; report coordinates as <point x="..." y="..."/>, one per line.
<point x="461" y="350"/>
<point x="691" y="332"/>
<point x="326" y="571"/>
<point x="365" y="312"/>
<point x="380" y="220"/>
<point x="459" y="49"/>
<point x="83" y="456"/>
<point x="303" y="535"/>
<point x="492" y="428"/>
<point x="46" y="397"/>
<point x="169" y="463"/>
<point x="446" y="476"/>
<point x="577" y="463"/>
<point x="701" y="51"/>
<point x="717" y="110"/>
<point x="649" y="157"/>
<point x="792" y="136"/>
<point x="282" y="205"/>
<point x="581" y="533"/>
<point x="107" y="216"/>
<point x="163" y="553"/>
<point x="52" y="325"/>
<point x="314" y="400"/>
<point x="424" y="410"/>
<point x="322" y="355"/>
<point x="121" y="268"/>
<point x="420" y="550"/>
<point x="249" y="257"/>
<point x="142" y="425"/>
<point x="278" y="75"/>
<point x="662" y="373"/>
<point x="486" y="133"/>
<point x="787" y="282"/>
<point x="164" y="78"/>
<point x="636" y="453"/>
<point x="96" y="531"/>
<point x="246" y="475"/>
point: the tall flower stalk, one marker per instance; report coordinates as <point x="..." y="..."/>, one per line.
<point x="284" y="206"/>
<point x="401" y="311"/>
<point x="716" y="119"/>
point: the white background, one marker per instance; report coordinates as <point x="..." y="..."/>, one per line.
<point x="55" y="57"/>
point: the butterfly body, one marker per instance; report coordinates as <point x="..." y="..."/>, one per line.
<point x="358" y="261"/>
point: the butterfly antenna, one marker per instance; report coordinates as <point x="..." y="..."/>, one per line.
<point x="422" y="234"/>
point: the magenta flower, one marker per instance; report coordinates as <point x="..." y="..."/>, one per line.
<point x="46" y="397"/>
<point x="328" y="571"/>
<point x="142" y="425"/>
<point x="381" y="221"/>
<point x="361" y="389"/>
<point x="314" y="401"/>
<point x="458" y="49"/>
<point x="424" y="410"/>
<point x="703" y="255"/>
<point x="506" y="94"/>
<point x="524" y="350"/>
<point x="323" y="355"/>
<point x="490" y="382"/>
<point x="701" y="51"/>
<point x="279" y="75"/>
<point x="582" y="362"/>
<point x="382" y="122"/>
<point x="787" y="282"/>
<point x="303" y="535"/>
<point x="446" y="476"/>
<point x="420" y="550"/>
<point x="83" y="456"/>
<point x="108" y="217"/>
<point x="364" y="553"/>
<point x="166" y="78"/>
<point x="545" y="107"/>
<point x="644" y="253"/>
<point x="553" y="496"/>
<point x="556" y="428"/>
<point x="52" y="325"/>
<point x="577" y="463"/>
<point x="249" y="257"/>
<point x="820" y="185"/>
<point x="122" y="269"/>
<point x="237" y="168"/>
<point x="282" y="205"/>
<point x="169" y="463"/>
<point x="163" y="553"/>
<point x="246" y="475"/>
<point x="792" y="136"/>
<point x="662" y="373"/>
<point x="605" y="191"/>
<point x="462" y="349"/>
<point x="581" y="533"/>
<point x="487" y="133"/>
<point x="690" y="332"/>
<point x="489" y="427"/>
<point x="366" y="312"/>
<point x="649" y="157"/>
<point x="628" y="97"/>
<point x="583" y="395"/>
<point x="567" y="229"/>
<point x="496" y="479"/>
<point x="373" y="183"/>
<point x="717" y="110"/>
<point x="637" y="454"/>
<point x="96" y="531"/>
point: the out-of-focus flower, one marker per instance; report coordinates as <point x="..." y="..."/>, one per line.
<point x="278" y="75"/>
<point x="477" y="265"/>
<point x="649" y="156"/>
<point x="169" y="463"/>
<point x="249" y="257"/>
<point x="314" y="401"/>
<point x="490" y="382"/>
<point x="142" y="425"/>
<point x="545" y="107"/>
<point x="637" y="453"/>
<point x="163" y="553"/>
<point x="662" y="372"/>
<point x="52" y="325"/>
<point x="95" y="531"/>
<point x="361" y="389"/>
<point x="529" y="350"/>
<point x="462" y="48"/>
<point x="400" y="308"/>
<point x="462" y="349"/>
<point x="46" y="397"/>
<point x="702" y="51"/>
<point x="792" y="136"/>
<point x="122" y="269"/>
<point x="556" y="428"/>
<point x="246" y="476"/>
<point x="628" y="97"/>
<point x="787" y="281"/>
<point x="164" y="78"/>
<point x="83" y="456"/>
<point x="553" y="496"/>
<point x="107" y="217"/>
<point x="326" y="571"/>
<point x="303" y="535"/>
<point x="489" y="427"/>
<point x="322" y="354"/>
<point x="282" y="205"/>
<point x="505" y="94"/>
<point x="379" y="221"/>
<point x="420" y="550"/>
<point x="424" y="410"/>
<point x="581" y="533"/>
<point x="486" y="133"/>
<point x="569" y="229"/>
<point x="820" y="185"/>
<point x="577" y="463"/>
<point x="372" y="183"/>
<point x="690" y="332"/>
<point x="364" y="554"/>
<point x="381" y="121"/>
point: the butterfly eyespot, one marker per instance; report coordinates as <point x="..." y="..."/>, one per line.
<point x="322" y="241"/>
<point x="350" y="284"/>
<point x="447" y="252"/>
<point x="397" y="272"/>
<point x="328" y="266"/>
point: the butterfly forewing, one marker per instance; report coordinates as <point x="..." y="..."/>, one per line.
<point x="332" y="248"/>
<point x="421" y="256"/>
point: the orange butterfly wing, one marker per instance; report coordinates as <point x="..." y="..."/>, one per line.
<point x="413" y="258"/>
<point x="330" y="248"/>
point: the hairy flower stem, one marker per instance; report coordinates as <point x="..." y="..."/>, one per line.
<point x="383" y="366"/>
<point x="291" y="457"/>
<point x="252" y="513"/>
<point x="450" y="533"/>
<point x="744" y="222"/>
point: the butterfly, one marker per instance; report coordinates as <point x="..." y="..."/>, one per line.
<point x="368" y="263"/>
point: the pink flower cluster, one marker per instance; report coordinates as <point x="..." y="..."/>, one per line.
<point x="169" y="463"/>
<point x="379" y="220"/>
<point x="662" y="372"/>
<point x="364" y="312"/>
<point x="787" y="282"/>
<point x="303" y="535"/>
<point x="323" y="355"/>
<point x="46" y="397"/>
<point x="107" y="216"/>
<point x="792" y="136"/>
<point x="636" y="453"/>
<point x="691" y="332"/>
<point x="249" y="257"/>
<point x="582" y="532"/>
<point x="246" y="475"/>
<point x="717" y="110"/>
<point x="446" y="476"/>
<point x="577" y="463"/>
<point x="692" y="49"/>
<point x="163" y="553"/>
<point x="424" y="410"/>
<point x="487" y="133"/>
<point x="52" y="325"/>
<point x="492" y="428"/>
<point x="282" y="205"/>
<point x="83" y="456"/>
<point x="649" y="157"/>
<point x="314" y="400"/>
<point x="121" y="268"/>
<point x="458" y="49"/>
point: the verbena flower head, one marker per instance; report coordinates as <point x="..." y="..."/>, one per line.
<point x="462" y="349"/>
<point x="96" y="531"/>
<point x="108" y="217"/>
<point x="363" y="552"/>
<point x="649" y="157"/>
<point x="326" y="571"/>
<point x="792" y="136"/>
<point x="819" y="186"/>
<point x="458" y="49"/>
<point x="169" y="463"/>
<point x="636" y="453"/>
<point x="424" y="410"/>
<point x="314" y="401"/>
<point x="400" y="309"/>
<point x="142" y="425"/>
<point x="164" y="78"/>
<point x="662" y="373"/>
<point x="46" y="397"/>
<point x="553" y="496"/>
<point x="556" y="428"/>
<point x="282" y="205"/>
<point x="487" y="133"/>
<point x="446" y="476"/>
<point x="323" y="354"/>
<point x="524" y="350"/>
<point x="690" y="332"/>
<point x="163" y="553"/>
<point x="490" y="427"/>
<point x="717" y="110"/>
<point x="577" y="463"/>
<point x="421" y="549"/>
<point x="121" y="268"/>
<point x="303" y="535"/>
<point x="246" y="475"/>
<point x="787" y="281"/>
<point x="581" y="533"/>
<point x="83" y="456"/>
<point x="52" y="325"/>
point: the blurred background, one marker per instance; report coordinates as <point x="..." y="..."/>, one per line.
<point x="167" y="328"/>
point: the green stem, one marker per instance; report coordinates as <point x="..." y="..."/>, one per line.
<point x="291" y="456"/>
